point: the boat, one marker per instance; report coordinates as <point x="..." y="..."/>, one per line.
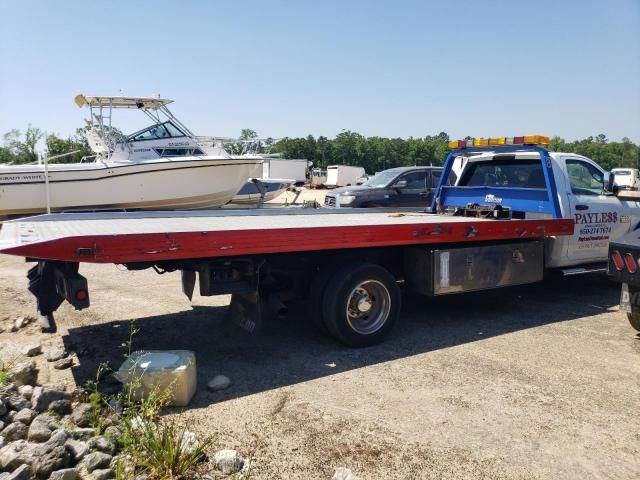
<point x="251" y="192"/>
<point x="262" y="187"/>
<point x="161" y="167"/>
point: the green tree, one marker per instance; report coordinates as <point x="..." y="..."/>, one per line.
<point x="379" y="153"/>
<point x="23" y="147"/>
<point x="69" y="150"/>
<point x="6" y="156"/>
<point x="247" y="134"/>
<point x="248" y="141"/>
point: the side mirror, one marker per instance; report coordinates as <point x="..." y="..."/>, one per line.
<point x="400" y="184"/>
<point x="609" y="183"/>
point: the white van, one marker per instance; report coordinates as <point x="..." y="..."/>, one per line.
<point x="343" y="175"/>
<point x="627" y="178"/>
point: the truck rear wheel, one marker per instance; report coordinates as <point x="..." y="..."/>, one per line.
<point x="634" y="320"/>
<point x="361" y="304"/>
<point x="316" y="297"/>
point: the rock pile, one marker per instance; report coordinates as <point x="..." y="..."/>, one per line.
<point x="46" y="434"/>
<point x="11" y="352"/>
<point x="43" y="434"/>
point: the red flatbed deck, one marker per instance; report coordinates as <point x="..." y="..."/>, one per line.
<point x="157" y="236"/>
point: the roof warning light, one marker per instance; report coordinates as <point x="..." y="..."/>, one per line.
<point x="500" y="141"/>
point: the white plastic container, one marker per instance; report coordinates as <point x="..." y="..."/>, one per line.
<point x="161" y="370"/>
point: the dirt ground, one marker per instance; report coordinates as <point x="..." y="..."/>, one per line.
<point x="540" y="381"/>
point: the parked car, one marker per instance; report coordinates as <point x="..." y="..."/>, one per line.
<point x="396" y="187"/>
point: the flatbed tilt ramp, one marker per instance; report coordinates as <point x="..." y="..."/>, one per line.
<point x="159" y="236"/>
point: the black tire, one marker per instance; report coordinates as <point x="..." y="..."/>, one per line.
<point x="316" y="296"/>
<point x="369" y="286"/>
<point x="634" y="320"/>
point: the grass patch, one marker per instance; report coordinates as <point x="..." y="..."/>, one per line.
<point x="149" y="444"/>
<point x="4" y="378"/>
<point x="162" y="450"/>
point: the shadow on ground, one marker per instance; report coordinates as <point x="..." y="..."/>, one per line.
<point x="289" y="352"/>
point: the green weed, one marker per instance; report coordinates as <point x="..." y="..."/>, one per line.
<point x="154" y="446"/>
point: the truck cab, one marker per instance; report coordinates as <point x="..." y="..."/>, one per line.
<point x="534" y="183"/>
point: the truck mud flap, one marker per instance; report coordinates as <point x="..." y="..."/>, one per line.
<point x="54" y="282"/>
<point x="188" y="283"/>
<point x="245" y="311"/>
<point x="630" y="299"/>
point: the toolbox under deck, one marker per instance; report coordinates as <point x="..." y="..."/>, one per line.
<point x="156" y="236"/>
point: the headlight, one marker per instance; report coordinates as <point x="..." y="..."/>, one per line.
<point x="347" y="199"/>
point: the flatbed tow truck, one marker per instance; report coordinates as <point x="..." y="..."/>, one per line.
<point x="348" y="267"/>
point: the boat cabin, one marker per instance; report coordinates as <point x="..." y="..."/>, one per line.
<point x="166" y="137"/>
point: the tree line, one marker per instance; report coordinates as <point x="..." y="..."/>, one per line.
<point x="347" y="148"/>
<point x="379" y="153"/>
<point x="22" y="147"/>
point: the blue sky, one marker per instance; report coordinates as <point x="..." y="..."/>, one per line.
<point x="292" y="68"/>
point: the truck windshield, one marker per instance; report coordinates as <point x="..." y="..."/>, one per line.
<point x="504" y="173"/>
<point x="381" y="179"/>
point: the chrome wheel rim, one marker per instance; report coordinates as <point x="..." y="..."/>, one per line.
<point x="368" y="307"/>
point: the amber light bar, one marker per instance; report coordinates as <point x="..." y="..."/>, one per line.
<point x="500" y="141"/>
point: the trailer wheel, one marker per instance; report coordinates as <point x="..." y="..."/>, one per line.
<point x="634" y="320"/>
<point x="361" y="304"/>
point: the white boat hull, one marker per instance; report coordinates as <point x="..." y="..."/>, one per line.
<point x="249" y="194"/>
<point x="187" y="183"/>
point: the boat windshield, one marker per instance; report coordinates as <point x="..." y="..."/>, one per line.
<point x="159" y="131"/>
<point x="382" y="179"/>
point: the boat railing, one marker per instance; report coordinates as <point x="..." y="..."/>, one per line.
<point x="47" y="192"/>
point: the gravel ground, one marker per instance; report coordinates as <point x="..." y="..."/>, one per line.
<point x="540" y="381"/>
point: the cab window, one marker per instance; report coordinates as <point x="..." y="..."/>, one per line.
<point x="585" y="179"/>
<point x="415" y="180"/>
<point x="504" y="173"/>
<point x="435" y="178"/>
